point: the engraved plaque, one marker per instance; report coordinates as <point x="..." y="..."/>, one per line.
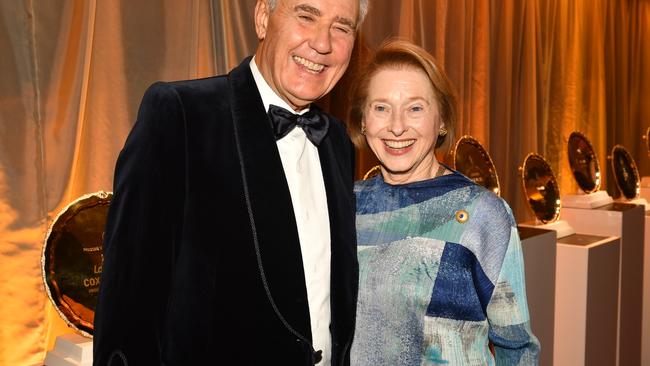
<point x="583" y="162"/>
<point x="72" y="259"/>
<point x="541" y="188"/>
<point x="472" y="160"/>
<point x="625" y="171"/>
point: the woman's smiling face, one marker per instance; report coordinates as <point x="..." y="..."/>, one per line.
<point x="402" y="123"/>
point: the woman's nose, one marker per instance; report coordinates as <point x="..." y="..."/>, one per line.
<point x="397" y="124"/>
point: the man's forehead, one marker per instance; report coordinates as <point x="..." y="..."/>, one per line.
<point x="321" y="8"/>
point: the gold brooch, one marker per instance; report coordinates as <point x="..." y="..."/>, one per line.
<point x="462" y="216"/>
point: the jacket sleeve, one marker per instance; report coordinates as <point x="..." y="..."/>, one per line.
<point x="507" y="311"/>
<point x="143" y="228"/>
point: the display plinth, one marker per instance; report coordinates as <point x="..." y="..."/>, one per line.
<point x="645" y="324"/>
<point x="586" y="300"/>
<point x="591" y="200"/>
<point x="539" y="250"/>
<point x="627" y="222"/>
<point x="637" y="201"/>
<point x="70" y="350"/>
<point x="561" y="227"/>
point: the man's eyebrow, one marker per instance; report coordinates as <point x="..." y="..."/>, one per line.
<point x="346" y="22"/>
<point x="308" y="8"/>
<point x="316" y="12"/>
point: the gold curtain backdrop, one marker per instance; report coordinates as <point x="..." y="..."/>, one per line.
<point x="72" y="73"/>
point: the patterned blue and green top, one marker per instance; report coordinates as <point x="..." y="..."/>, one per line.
<point x="440" y="274"/>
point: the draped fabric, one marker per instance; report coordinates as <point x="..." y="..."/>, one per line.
<point x="72" y="73"/>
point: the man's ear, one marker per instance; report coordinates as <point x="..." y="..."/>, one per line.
<point x="262" y="12"/>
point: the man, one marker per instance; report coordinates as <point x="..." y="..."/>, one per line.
<point x="230" y="239"/>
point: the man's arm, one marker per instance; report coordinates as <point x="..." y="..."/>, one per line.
<point x="143" y="229"/>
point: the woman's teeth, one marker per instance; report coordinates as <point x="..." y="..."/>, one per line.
<point x="398" y="144"/>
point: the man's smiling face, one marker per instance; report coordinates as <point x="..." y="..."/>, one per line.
<point x="305" y="46"/>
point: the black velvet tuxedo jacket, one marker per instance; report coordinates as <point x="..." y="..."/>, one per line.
<point x="202" y="263"/>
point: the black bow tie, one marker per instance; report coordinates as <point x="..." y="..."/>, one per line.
<point x="314" y="124"/>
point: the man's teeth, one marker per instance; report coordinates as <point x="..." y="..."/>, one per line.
<point x="308" y="64"/>
<point x="399" y="144"/>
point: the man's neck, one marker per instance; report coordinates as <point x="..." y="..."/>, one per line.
<point x="269" y="96"/>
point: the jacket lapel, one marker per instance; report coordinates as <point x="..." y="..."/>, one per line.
<point x="334" y="153"/>
<point x="270" y="202"/>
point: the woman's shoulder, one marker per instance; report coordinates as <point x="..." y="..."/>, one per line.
<point x="494" y="205"/>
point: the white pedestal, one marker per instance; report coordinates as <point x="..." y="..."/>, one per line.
<point x="561" y="227"/>
<point x="539" y="249"/>
<point x="645" y="324"/>
<point x="591" y="200"/>
<point x="70" y="350"/>
<point x="638" y="201"/>
<point x="586" y="300"/>
<point x="627" y="222"/>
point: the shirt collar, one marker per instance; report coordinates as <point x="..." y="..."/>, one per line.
<point x="268" y="95"/>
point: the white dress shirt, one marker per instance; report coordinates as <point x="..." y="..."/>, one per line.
<point x="305" y="179"/>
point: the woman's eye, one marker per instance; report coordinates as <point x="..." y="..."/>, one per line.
<point x="417" y="108"/>
<point x="380" y="108"/>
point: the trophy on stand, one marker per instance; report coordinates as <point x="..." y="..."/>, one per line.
<point x="72" y="264"/>
<point x="472" y="160"/>
<point x="626" y="176"/>
<point x="543" y="195"/>
<point x="586" y="171"/>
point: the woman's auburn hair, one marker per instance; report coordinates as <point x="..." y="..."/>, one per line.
<point x="400" y="54"/>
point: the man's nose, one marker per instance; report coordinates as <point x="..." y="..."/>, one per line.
<point x="321" y="39"/>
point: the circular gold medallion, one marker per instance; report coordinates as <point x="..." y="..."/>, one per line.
<point x="462" y="216"/>
<point x="626" y="173"/>
<point x="541" y="188"/>
<point x="72" y="259"/>
<point x="473" y="161"/>
<point x="583" y="162"/>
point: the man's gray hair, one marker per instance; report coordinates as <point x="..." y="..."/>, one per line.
<point x="363" y="9"/>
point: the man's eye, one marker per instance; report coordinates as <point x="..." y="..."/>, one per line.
<point x="306" y="18"/>
<point x="343" y="30"/>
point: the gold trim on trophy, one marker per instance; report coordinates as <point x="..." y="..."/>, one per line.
<point x="375" y="170"/>
<point x="646" y="137"/>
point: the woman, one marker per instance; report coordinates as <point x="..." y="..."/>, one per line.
<point x="441" y="270"/>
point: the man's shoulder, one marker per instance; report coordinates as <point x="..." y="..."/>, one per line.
<point x="207" y="85"/>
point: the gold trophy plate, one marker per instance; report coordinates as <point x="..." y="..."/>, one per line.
<point x="72" y="259"/>
<point x="541" y="188"/>
<point x="584" y="163"/>
<point x="473" y="161"/>
<point x="626" y="173"/>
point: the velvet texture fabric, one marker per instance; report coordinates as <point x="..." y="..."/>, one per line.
<point x="201" y="255"/>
